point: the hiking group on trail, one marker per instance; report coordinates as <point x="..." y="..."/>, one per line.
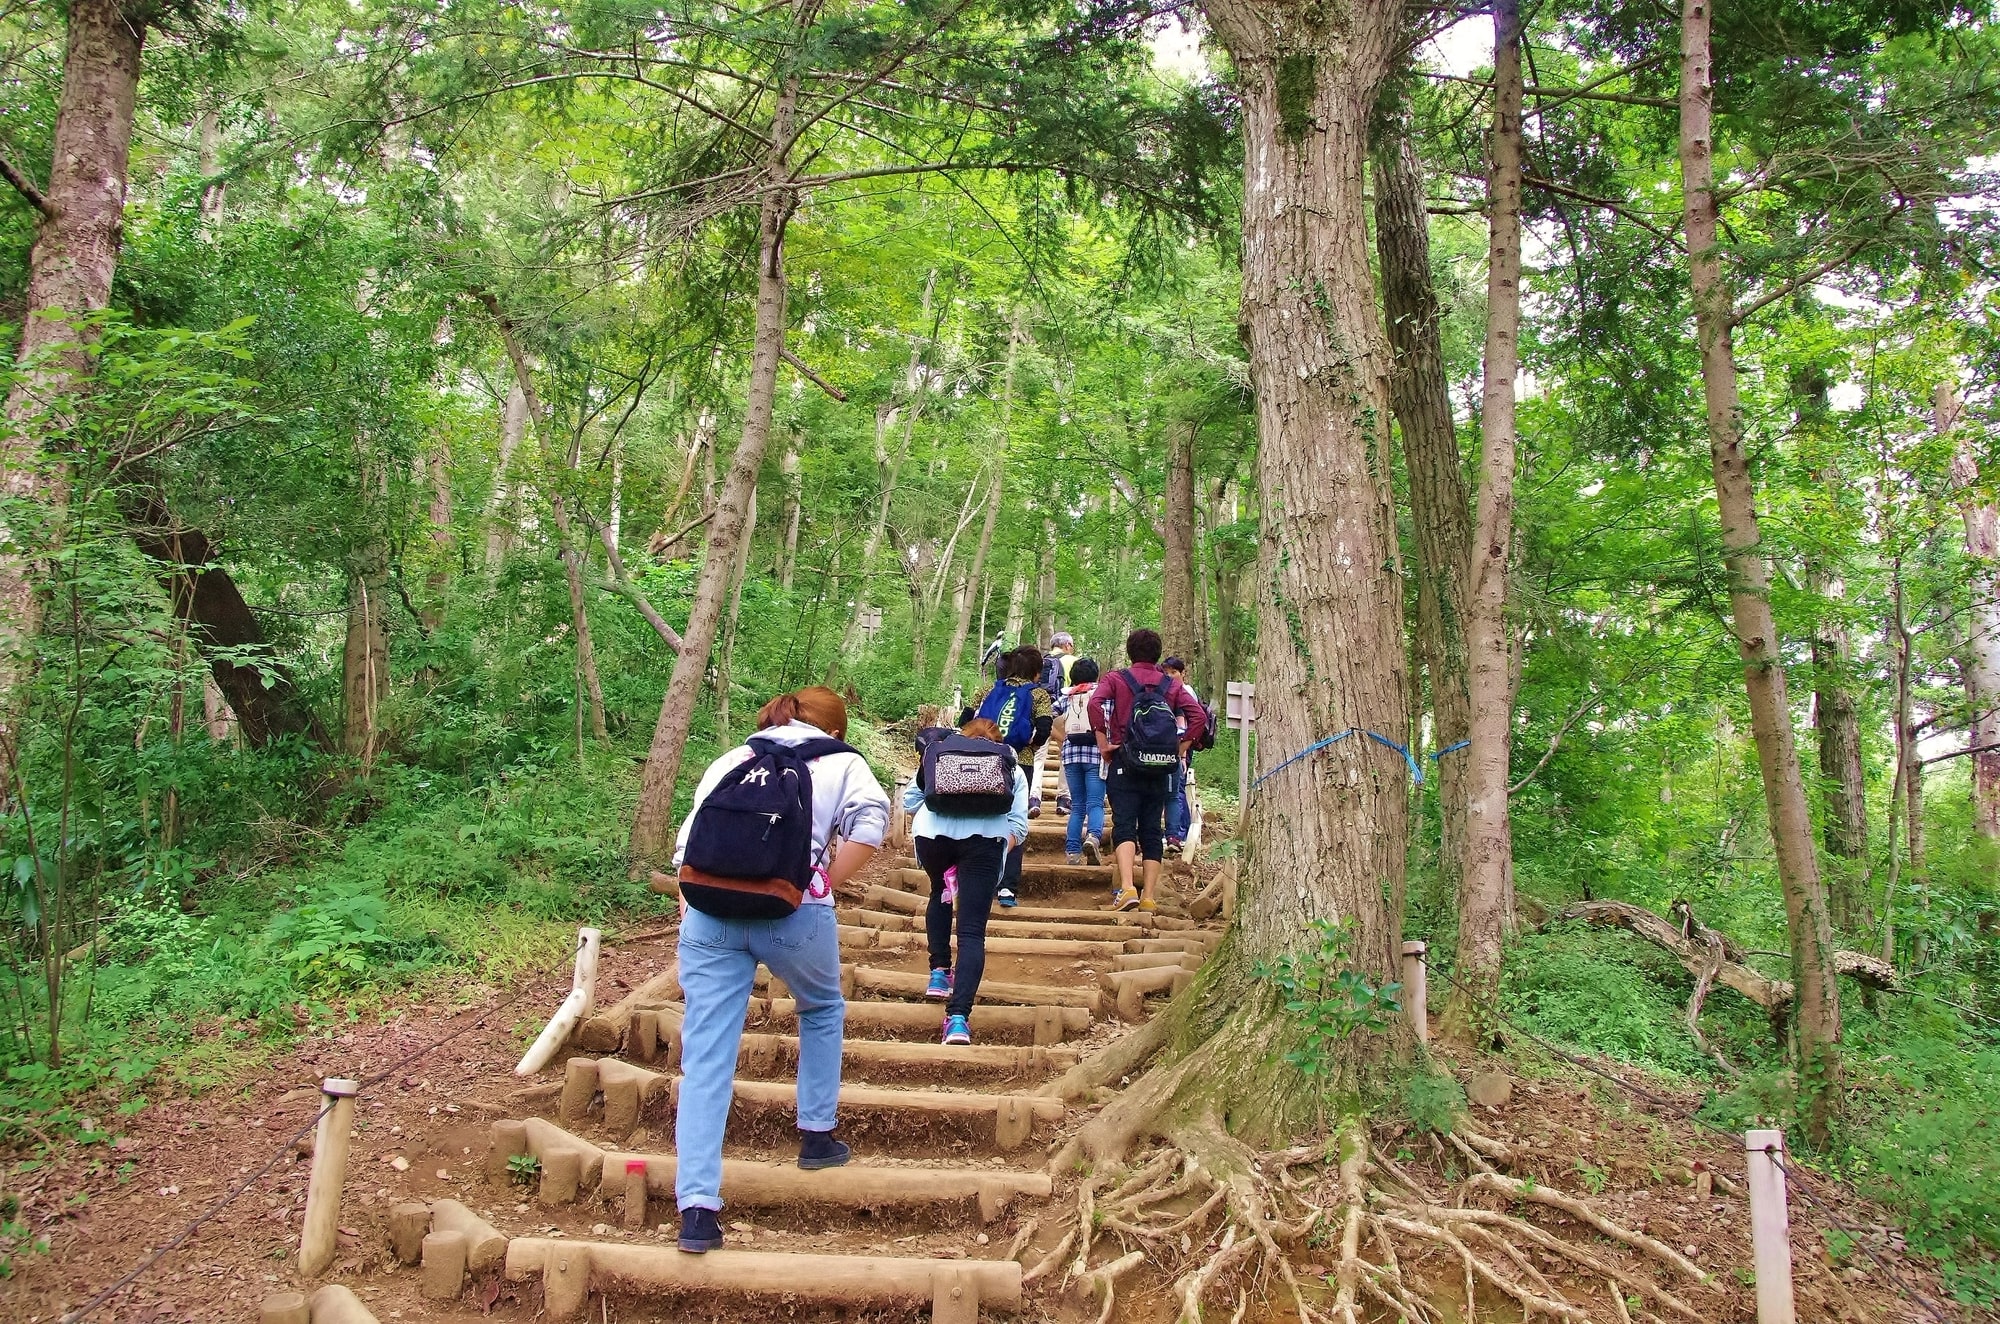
<point x="781" y="822"/>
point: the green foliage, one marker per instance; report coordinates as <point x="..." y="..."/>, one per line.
<point x="1601" y="992"/>
<point x="1433" y="1101"/>
<point x="1327" y="998"/>
<point x="522" y="1169"/>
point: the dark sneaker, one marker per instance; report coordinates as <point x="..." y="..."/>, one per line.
<point x="1062" y="805"/>
<point x="957" y="1030"/>
<point x="1005" y="896"/>
<point x="940" y="985"/>
<point x="1035" y="807"/>
<point x="818" y="1149"/>
<point x="1091" y="850"/>
<point x="701" y="1231"/>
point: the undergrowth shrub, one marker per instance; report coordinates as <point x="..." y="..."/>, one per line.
<point x="1603" y="992"/>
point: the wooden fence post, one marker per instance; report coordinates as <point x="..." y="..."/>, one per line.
<point x="1770" y="1228"/>
<point x="320" y="1237"/>
<point x="1416" y="990"/>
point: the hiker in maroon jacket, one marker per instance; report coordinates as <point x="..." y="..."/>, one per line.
<point x="1140" y="759"/>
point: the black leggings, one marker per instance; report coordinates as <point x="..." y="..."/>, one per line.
<point x="979" y="862"/>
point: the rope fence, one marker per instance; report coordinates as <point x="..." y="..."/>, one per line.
<point x="524" y="983"/>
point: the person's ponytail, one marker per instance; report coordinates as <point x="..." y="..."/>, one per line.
<point x="816" y="705"/>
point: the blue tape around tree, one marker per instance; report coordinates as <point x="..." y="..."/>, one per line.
<point x="1416" y="773"/>
<point x="1450" y="749"/>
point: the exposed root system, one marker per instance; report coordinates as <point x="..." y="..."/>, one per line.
<point x="1340" y="1230"/>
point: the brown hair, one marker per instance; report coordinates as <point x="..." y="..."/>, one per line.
<point x="815" y="704"/>
<point x="981" y="728"/>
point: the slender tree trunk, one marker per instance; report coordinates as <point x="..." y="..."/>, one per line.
<point x="567" y="546"/>
<point x="977" y="576"/>
<point x="1045" y="588"/>
<point x="1180" y="616"/>
<point x="70" y="268"/>
<point x="727" y="661"/>
<point x="1327" y="835"/>
<point x="513" y="427"/>
<point x="1017" y="608"/>
<point x="1483" y="917"/>
<point x="438" y="470"/>
<point x="364" y="670"/>
<point x="788" y="560"/>
<point x="1897" y="634"/>
<point x="1982" y="636"/>
<point x="214" y="189"/>
<point x="1818" y="999"/>
<point x="1836" y="711"/>
<point x="1439" y="504"/>
<point x="651" y="839"/>
<point x="617" y="521"/>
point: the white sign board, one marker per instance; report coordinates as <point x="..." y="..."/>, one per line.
<point x="1242" y="703"/>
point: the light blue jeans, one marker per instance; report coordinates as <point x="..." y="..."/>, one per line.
<point x="718" y="965"/>
<point x="1086" y="803"/>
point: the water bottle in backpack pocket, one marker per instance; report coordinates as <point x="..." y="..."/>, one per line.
<point x="967" y="775"/>
<point x="749" y="853"/>
<point x="1152" y="734"/>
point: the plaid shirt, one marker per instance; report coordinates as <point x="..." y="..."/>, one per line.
<point x="1080" y="751"/>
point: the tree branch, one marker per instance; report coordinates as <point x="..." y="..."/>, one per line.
<point x="1590" y="199"/>
<point x="621" y="584"/>
<point x="1771" y="296"/>
<point x="1555" y="740"/>
<point x="813" y="377"/>
<point x="25" y="187"/>
<point x="1958" y="754"/>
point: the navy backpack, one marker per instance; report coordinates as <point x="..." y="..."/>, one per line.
<point x="749" y="853"/>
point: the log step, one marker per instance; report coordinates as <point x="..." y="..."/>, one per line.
<point x="854" y="1186"/>
<point x="766" y="1054"/>
<point x="914" y="904"/>
<point x="911" y="985"/>
<point x="1039" y="1025"/>
<point x="889" y="921"/>
<point x="956" y="1289"/>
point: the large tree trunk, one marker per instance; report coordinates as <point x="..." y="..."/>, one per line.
<point x="1749" y="571"/>
<point x="1982" y="635"/>
<point x="977" y="576"/>
<point x="70" y="268"/>
<point x="727" y="660"/>
<point x="651" y="837"/>
<point x="1180" y="613"/>
<point x="1326" y="835"/>
<point x="1483" y="901"/>
<point x="266" y="704"/>
<point x="1439" y="505"/>
<point x="1017" y="609"/>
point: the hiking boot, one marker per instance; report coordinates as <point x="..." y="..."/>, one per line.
<point x="818" y="1149"/>
<point x="1005" y="896"/>
<point x="701" y="1231"/>
<point x="956" y="1030"/>
<point x="1034" y="806"/>
<point x="1073" y="857"/>
<point x="1092" y="851"/>
<point x="940" y="985"/>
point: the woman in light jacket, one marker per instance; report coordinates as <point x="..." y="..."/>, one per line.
<point x="977" y="845"/>
<point x="718" y="963"/>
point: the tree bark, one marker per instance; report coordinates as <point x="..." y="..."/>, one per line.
<point x="1982" y="636"/>
<point x="1017" y="608"/>
<point x="789" y="558"/>
<point x="1327" y="835"/>
<point x="364" y="664"/>
<point x="70" y="267"/>
<point x="955" y="653"/>
<point x="727" y="661"/>
<point x="1440" y="507"/>
<point x="267" y="705"/>
<point x="1749" y="569"/>
<point x="651" y="841"/>
<point x="1483" y="909"/>
<point x="1045" y="588"/>
<point x="513" y="427"/>
<point x="1180" y="614"/>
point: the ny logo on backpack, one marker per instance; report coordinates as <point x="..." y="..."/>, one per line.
<point x="749" y="851"/>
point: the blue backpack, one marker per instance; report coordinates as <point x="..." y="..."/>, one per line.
<point x="1010" y="705"/>
<point x="749" y="853"/>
